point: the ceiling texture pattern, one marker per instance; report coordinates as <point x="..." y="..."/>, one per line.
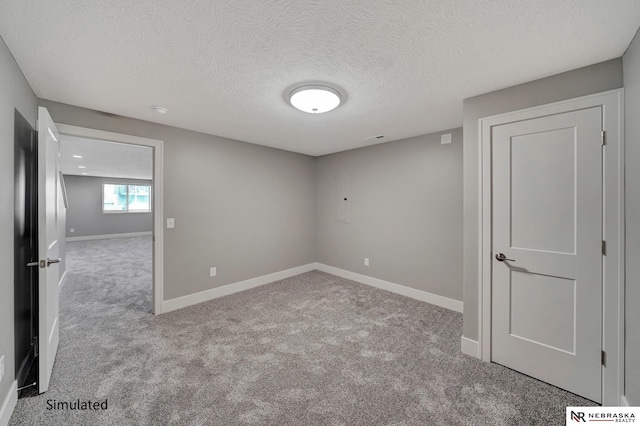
<point x="224" y="67"/>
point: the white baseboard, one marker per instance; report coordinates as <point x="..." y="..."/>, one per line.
<point x="470" y="347"/>
<point x="61" y="282"/>
<point x="108" y="236"/>
<point x="225" y="290"/>
<point x="434" y="299"/>
<point x="9" y="404"/>
<point x="624" y="402"/>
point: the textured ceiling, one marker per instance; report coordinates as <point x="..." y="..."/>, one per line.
<point x="105" y="159"/>
<point x="222" y="67"/>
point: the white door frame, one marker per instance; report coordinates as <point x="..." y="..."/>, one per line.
<point x="612" y="103"/>
<point x="158" y="238"/>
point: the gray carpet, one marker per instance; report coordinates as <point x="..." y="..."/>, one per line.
<point x="314" y="349"/>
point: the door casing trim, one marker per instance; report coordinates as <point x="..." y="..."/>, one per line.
<point x="612" y="103"/>
<point x="158" y="153"/>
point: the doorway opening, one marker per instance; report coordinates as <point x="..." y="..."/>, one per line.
<point x="109" y="222"/>
<point x="125" y="183"/>
<point x="41" y="207"/>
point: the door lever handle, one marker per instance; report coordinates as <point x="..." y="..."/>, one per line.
<point x="50" y="261"/>
<point x="44" y="263"/>
<point x="500" y="257"/>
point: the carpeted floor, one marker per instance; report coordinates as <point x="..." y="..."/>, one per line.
<point x="314" y="349"/>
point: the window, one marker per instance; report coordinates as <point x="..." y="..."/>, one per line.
<point x="125" y="198"/>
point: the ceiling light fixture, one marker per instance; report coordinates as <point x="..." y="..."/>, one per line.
<point x="81" y="167"/>
<point x="159" y="109"/>
<point x="83" y="173"/>
<point x="315" y="99"/>
<point x="77" y="156"/>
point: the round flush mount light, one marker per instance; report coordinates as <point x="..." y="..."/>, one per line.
<point x="315" y="99"/>
<point x="159" y="109"/>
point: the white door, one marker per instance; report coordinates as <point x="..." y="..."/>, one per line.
<point x="547" y="218"/>
<point x="48" y="279"/>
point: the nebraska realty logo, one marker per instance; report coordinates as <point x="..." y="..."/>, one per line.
<point x="579" y="415"/>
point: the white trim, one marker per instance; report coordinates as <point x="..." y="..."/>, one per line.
<point x="470" y="347"/>
<point x="85" y="132"/>
<point x="624" y="402"/>
<point x="9" y="404"/>
<point x="108" y="236"/>
<point x="62" y="278"/>
<point x="225" y="290"/>
<point x="158" y="212"/>
<point x="434" y="299"/>
<point x="612" y="103"/>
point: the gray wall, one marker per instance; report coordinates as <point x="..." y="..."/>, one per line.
<point x="580" y="82"/>
<point x="406" y="213"/>
<point x="85" y="209"/>
<point x="16" y="94"/>
<point x="631" y="62"/>
<point x="249" y="210"/>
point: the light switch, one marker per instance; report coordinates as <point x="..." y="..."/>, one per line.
<point x="170" y="222"/>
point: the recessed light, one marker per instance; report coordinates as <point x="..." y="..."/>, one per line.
<point x="159" y="109"/>
<point x="83" y="173"/>
<point x="77" y="156"/>
<point x="81" y="167"/>
<point x="315" y="99"/>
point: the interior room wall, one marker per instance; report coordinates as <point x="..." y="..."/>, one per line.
<point x="16" y="95"/>
<point x="572" y="84"/>
<point x="631" y="60"/>
<point x="246" y="209"/>
<point x="85" y="214"/>
<point x="405" y="205"/>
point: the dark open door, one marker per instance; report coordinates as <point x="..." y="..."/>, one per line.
<point x="26" y="249"/>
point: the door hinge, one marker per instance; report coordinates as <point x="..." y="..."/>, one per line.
<point x="604" y="248"/>
<point x="603" y="137"/>
<point x="604" y="358"/>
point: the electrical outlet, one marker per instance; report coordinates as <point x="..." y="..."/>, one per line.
<point x="1" y="367"/>
<point x="366" y="261"/>
<point x="170" y="222"/>
<point x="72" y="230"/>
<point x="212" y="271"/>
